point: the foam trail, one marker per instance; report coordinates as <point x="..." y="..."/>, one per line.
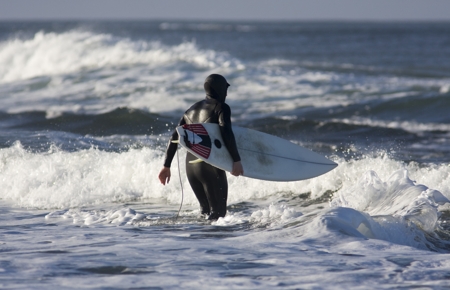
<point x="272" y="216"/>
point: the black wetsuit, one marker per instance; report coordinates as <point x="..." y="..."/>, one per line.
<point x="209" y="183"/>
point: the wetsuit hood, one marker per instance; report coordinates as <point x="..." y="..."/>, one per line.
<point x="216" y="87"/>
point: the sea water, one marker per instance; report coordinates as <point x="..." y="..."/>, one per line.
<point x="86" y="111"/>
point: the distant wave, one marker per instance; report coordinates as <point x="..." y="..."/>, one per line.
<point x="409" y="126"/>
<point x="211" y="26"/>
<point x="119" y="121"/>
<point x="72" y="51"/>
<point x="86" y="73"/>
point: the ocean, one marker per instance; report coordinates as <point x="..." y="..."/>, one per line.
<point x="86" y="110"/>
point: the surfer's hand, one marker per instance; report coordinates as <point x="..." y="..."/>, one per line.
<point x="237" y="169"/>
<point x="164" y="175"/>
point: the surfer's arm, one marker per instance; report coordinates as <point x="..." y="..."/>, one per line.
<point x="227" y="133"/>
<point x="237" y="169"/>
<point x="164" y="175"/>
<point x="172" y="147"/>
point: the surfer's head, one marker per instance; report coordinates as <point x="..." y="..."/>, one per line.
<point x="216" y="87"/>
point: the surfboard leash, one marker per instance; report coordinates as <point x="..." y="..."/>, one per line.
<point x="181" y="184"/>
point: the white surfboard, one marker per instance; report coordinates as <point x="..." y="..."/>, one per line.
<point x="263" y="156"/>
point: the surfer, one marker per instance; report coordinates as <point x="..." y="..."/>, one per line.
<point x="208" y="182"/>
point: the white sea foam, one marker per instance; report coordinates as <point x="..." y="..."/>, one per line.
<point x="58" y="179"/>
<point x="444" y="89"/>
<point x="124" y="216"/>
<point x="271" y="216"/>
<point x="409" y="126"/>
<point x="340" y="225"/>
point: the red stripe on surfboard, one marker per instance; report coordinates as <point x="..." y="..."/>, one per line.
<point x="196" y="128"/>
<point x="201" y="150"/>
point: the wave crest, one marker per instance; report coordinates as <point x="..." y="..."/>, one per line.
<point x="72" y="51"/>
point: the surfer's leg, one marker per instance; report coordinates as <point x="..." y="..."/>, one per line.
<point x="216" y="188"/>
<point x="193" y="171"/>
<point x="210" y="186"/>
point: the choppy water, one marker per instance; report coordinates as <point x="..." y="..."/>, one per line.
<point x="86" y="110"/>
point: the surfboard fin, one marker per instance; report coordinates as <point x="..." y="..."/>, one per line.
<point x="175" y="141"/>
<point x="195" y="161"/>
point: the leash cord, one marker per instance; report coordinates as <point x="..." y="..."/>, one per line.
<point x="181" y="184"/>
